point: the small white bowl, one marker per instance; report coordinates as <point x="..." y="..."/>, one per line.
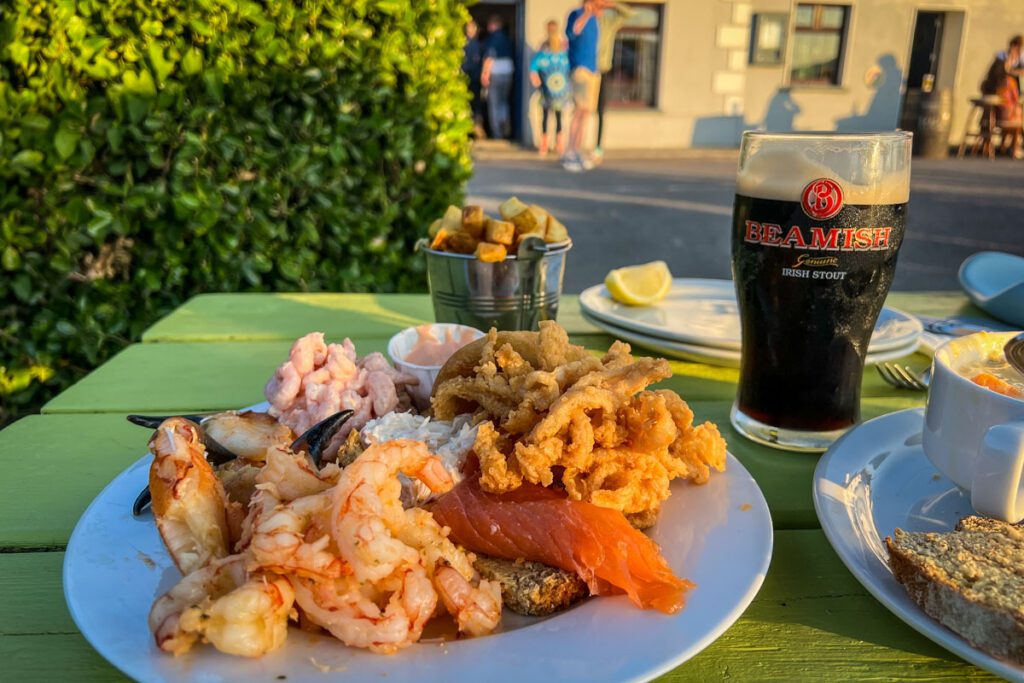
<point x="403" y="342"/>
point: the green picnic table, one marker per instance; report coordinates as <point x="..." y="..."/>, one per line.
<point x="811" y="620"/>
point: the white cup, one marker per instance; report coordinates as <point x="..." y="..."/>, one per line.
<point x="402" y="343"/>
<point x="973" y="435"/>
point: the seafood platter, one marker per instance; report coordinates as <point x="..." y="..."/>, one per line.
<point x="521" y="508"/>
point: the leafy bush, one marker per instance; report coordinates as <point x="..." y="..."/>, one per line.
<point x="154" y="149"/>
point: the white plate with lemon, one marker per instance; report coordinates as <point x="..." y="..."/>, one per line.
<point x="700" y="312"/>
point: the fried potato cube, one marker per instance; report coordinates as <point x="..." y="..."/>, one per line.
<point x="452" y="221"/>
<point x="462" y="243"/>
<point x="511" y="207"/>
<point x="540" y="215"/>
<point x="435" y="228"/>
<point x="438" y="243"/>
<point x="556" y="232"/>
<point x="499" y="232"/>
<point x="521" y="237"/>
<point x="491" y="253"/>
<point x="473" y="220"/>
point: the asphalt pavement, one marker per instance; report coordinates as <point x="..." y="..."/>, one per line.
<point x="630" y="211"/>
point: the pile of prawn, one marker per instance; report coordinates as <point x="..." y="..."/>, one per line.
<point x="320" y="379"/>
<point x="328" y="547"/>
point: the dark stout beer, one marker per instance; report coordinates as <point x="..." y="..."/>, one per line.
<point x="813" y="257"/>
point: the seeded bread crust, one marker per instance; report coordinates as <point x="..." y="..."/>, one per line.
<point x="532" y="588"/>
<point x="932" y="577"/>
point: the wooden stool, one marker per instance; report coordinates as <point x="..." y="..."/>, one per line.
<point x="984" y="109"/>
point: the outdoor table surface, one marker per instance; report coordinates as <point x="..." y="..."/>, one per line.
<point x="811" y="620"/>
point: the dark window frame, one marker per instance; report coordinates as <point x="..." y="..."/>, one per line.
<point x="816" y="27"/>
<point x="659" y="32"/>
<point x="754" y="57"/>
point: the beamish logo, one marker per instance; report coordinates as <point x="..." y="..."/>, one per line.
<point x="818" y="239"/>
<point x="822" y="199"/>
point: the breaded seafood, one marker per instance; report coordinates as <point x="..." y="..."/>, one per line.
<point x="551" y="413"/>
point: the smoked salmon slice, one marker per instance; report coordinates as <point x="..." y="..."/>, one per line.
<point x="542" y="525"/>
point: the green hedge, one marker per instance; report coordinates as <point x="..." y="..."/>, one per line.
<point x="151" y="150"/>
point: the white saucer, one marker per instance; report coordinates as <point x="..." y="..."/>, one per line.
<point x="874" y="479"/>
<point x="704" y="313"/>
<point x="712" y="355"/>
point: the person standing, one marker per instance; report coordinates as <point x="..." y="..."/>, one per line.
<point x="583" y="32"/>
<point x="472" y="66"/>
<point x="609" y="21"/>
<point x="549" y="72"/>
<point x="497" y="77"/>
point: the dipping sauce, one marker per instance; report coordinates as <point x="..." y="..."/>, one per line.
<point x="995" y="373"/>
<point x="430" y="350"/>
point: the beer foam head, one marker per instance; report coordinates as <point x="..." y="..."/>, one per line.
<point x="780" y="168"/>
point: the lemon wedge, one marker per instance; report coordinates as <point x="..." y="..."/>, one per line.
<point x="641" y="285"/>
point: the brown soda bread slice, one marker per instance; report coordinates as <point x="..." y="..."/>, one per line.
<point x="971" y="580"/>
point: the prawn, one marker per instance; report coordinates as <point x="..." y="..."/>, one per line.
<point x="476" y="609"/>
<point x="368" y="508"/>
<point x="294" y="537"/>
<point x="189" y="502"/>
<point x="292" y="475"/>
<point x="223" y="605"/>
<point x="350" y="611"/>
<point x="475" y="604"/>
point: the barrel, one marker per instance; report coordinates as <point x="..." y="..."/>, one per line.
<point x="934" y="117"/>
<point x="911" y="108"/>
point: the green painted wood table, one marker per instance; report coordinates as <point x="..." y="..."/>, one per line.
<point x="811" y="621"/>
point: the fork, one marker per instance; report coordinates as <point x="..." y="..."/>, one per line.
<point x="902" y="377"/>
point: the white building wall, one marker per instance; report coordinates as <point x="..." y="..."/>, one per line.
<point x="708" y="94"/>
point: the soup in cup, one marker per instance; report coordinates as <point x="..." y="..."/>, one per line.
<point x="974" y="422"/>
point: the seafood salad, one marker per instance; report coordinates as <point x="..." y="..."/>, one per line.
<point x="342" y="511"/>
<point x="320" y="379"/>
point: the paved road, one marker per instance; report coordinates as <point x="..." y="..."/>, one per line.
<point x="679" y="210"/>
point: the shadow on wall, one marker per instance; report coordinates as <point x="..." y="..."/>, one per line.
<point x="884" y="111"/>
<point x="780" y="116"/>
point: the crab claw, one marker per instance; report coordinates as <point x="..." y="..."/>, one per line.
<point x="315" y="440"/>
<point x="248" y="433"/>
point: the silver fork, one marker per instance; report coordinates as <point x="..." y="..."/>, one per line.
<point x="902" y="377"/>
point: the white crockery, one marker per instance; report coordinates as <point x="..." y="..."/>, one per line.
<point x="873" y="480"/>
<point x="728" y="358"/>
<point x="973" y="435"/>
<point x="704" y="313"/>
<point x="402" y="343"/>
<point x="718" y="535"/>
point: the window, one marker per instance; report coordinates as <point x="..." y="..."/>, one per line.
<point x="768" y="38"/>
<point x="633" y="80"/>
<point x="819" y="38"/>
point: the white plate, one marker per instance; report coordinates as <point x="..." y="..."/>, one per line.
<point x="718" y="535"/>
<point x="874" y="479"/>
<point x="704" y="313"/>
<point x="716" y="356"/>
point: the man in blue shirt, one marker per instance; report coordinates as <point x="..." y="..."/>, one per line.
<point x="582" y="30"/>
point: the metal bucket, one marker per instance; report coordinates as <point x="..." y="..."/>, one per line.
<point x="514" y="294"/>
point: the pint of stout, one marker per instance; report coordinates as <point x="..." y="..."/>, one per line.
<point x="817" y="225"/>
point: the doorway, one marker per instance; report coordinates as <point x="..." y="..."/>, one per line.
<point x="935" y="51"/>
<point x="510" y="13"/>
